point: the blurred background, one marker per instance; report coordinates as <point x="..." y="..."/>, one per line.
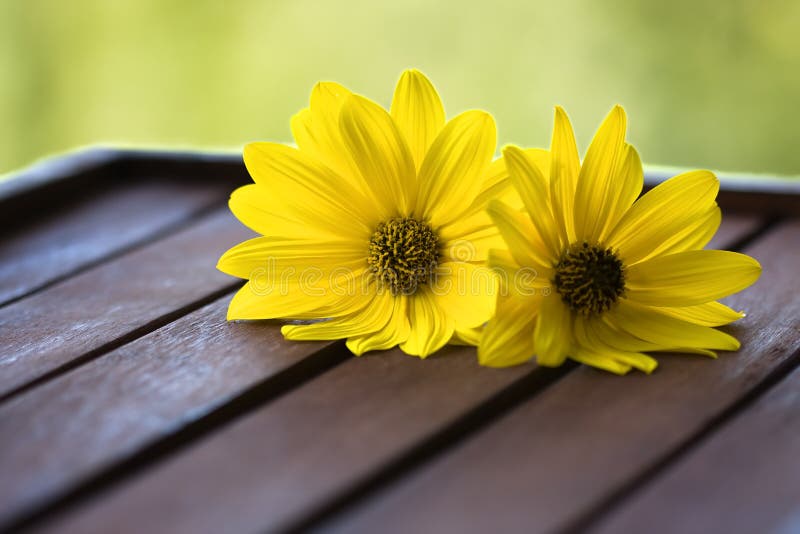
<point x="706" y="83"/>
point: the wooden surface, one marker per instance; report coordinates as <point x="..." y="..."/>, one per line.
<point x="129" y="404"/>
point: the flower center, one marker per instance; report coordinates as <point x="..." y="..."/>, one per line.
<point x="589" y="278"/>
<point x="403" y="253"/>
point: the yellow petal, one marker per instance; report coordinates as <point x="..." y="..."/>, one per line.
<point x="520" y="235"/>
<point x="395" y="332"/>
<point x="381" y="155"/>
<point x="308" y="189"/>
<point x="465" y="292"/>
<point x="431" y="328"/>
<point x="600" y="361"/>
<point x="495" y="184"/>
<point x="564" y="167"/>
<point x="665" y="216"/>
<point x="533" y="188"/>
<point x="668" y="332"/>
<point x="629" y="181"/>
<point x="316" y="130"/>
<point x="374" y="313"/>
<point x="472" y="246"/>
<point x="288" y="212"/>
<point x="614" y="337"/>
<point x="451" y="175"/>
<point x="695" y="235"/>
<point x="553" y="335"/>
<point x="708" y="314"/>
<point x="467" y="336"/>
<point x="253" y="302"/>
<point x="597" y="190"/>
<point x="281" y="259"/>
<point x="593" y="336"/>
<point x="508" y="337"/>
<point x="690" y="278"/>
<point x="418" y="112"/>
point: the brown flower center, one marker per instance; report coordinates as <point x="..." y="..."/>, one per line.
<point x="403" y="253"/>
<point x="589" y="278"/>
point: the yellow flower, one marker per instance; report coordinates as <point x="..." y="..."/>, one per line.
<point x="375" y="227"/>
<point x="595" y="275"/>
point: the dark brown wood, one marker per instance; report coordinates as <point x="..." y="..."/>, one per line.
<point x="745" y="478"/>
<point x="56" y="243"/>
<point x="298" y="454"/>
<point x="558" y="457"/>
<point x="275" y="465"/>
<point x="115" y="301"/>
<point x="68" y="213"/>
<point x="137" y="395"/>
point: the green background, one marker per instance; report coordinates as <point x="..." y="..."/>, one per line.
<point x="712" y="84"/>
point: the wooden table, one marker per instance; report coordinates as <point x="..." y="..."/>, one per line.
<point x="129" y="404"/>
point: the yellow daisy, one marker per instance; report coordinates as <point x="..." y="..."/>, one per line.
<point x="593" y="274"/>
<point x="374" y="228"/>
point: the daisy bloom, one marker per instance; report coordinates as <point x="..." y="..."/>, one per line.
<point x="374" y="228"/>
<point x="593" y="274"/>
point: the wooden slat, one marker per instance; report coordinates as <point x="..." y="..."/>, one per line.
<point x="113" y="302"/>
<point x="563" y="454"/>
<point x="746" y="478"/>
<point x="105" y="412"/>
<point x="297" y="454"/>
<point x="272" y="466"/>
<point x="56" y="242"/>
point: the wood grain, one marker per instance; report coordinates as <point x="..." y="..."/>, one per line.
<point x="297" y="454"/>
<point x="745" y="478"/>
<point x="274" y="465"/>
<point x="53" y="243"/>
<point x="84" y="314"/>
<point x="109" y="409"/>
<point x="552" y="460"/>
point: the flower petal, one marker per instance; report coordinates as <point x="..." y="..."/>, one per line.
<point x="617" y="348"/>
<point x="316" y="130"/>
<point x="670" y="333"/>
<point x="395" y="332"/>
<point x="629" y="181"/>
<point x="564" y="167"/>
<point x="473" y="246"/>
<point x="253" y="302"/>
<point x="307" y="189"/>
<point x="373" y="315"/>
<point x="708" y="314"/>
<point x="508" y="337"/>
<point x="431" y="328"/>
<point x="282" y="213"/>
<point x="553" y="335"/>
<point x="533" y="188"/>
<point x="466" y="293"/>
<point x="381" y="155"/>
<point x="600" y="361"/>
<point x="597" y="189"/>
<point x="418" y="112"/>
<point x="690" y="277"/>
<point x="519" y="235"/>
<point x="451" y="176"/>
<point x="665" y="216"/>
<point x="282" y="259"/>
